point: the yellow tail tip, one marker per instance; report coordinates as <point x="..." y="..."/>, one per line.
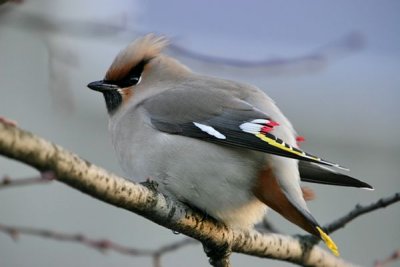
<point x="328" y="242"/>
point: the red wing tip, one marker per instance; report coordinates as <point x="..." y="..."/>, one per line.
<point x="273" y="123"/>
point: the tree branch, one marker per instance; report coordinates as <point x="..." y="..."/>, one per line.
<point x="97" y="182"/>
<point x="156" y="254"/>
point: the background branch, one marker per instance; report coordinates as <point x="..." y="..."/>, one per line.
<point x="88" y="178"/>
<point x="360" y="210"/>
<point x="44" y="178"/>
<point x="395" y="256"/>
<point x="101" y="245"/>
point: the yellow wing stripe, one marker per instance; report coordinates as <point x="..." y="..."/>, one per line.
<point x="329" y="242"/>
<point x="274" y="143"/>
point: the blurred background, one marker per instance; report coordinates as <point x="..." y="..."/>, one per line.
<point x="332" y="67"/>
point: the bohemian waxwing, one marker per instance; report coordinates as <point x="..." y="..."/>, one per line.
<point x="221" y="146"/>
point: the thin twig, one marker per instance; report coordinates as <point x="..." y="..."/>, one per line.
<point x="395" y="256"/>
<point x="174" y="246"/>
<point x="353" y="214"/>
<point x="360" y="210"/>
<point x="101" y="245"/>
<point x="44" y="178"/>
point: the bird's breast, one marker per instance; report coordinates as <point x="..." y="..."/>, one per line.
<point x="217" y="179"/>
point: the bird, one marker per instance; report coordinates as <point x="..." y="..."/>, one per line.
<point x="221" y="146"/>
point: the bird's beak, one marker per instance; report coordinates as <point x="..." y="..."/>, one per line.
<point x="102" y="86"/>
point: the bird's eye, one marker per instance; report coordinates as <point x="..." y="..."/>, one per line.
<point x="133" y="80"/>
<point x="134" y="75"/>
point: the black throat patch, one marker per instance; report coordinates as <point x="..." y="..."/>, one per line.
<point x="113" y="100"/>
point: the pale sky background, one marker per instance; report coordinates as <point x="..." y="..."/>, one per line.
<point x="347" y="109"/>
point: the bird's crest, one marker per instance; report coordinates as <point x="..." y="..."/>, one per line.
<point x="141" y="50"/>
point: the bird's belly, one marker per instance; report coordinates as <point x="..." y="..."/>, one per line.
<point x="216" y="179"/>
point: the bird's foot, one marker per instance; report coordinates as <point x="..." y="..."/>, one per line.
<point x="150" y="184"/>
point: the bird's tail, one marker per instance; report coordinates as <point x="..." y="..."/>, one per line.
<point x="314" y="173"/>
<point x="270" y="192"/>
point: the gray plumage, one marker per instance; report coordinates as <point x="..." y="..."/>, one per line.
<point x="221" y="146"/>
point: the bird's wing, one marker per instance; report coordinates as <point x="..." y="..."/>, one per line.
<point x="220" y="117"/>
<point x="312" y="173"/>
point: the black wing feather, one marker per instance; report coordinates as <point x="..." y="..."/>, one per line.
<point x="177" y="110"/>
<point x="234" y="137"/>
<point x="313" y="173"/>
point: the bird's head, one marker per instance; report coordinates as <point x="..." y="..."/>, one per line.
<point x="138" y="68"/>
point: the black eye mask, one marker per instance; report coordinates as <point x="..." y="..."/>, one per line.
<point x="133" y="76"/>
